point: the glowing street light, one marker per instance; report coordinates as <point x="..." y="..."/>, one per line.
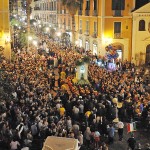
<point x="47" y="29"/>
<point x="30" y="38"/>
<point x="35" y="43"/>
<point x="76" y="42"/>
<point x="58" y="33"/>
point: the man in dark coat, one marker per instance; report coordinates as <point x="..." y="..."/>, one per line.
<point x="132" y="142"/>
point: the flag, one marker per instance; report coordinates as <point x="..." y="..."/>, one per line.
<point x="131" y="127"/>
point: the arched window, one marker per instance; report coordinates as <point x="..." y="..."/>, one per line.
<point x="141" y="25"/>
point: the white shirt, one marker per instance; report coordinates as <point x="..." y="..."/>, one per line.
<point x="14" y="145"/>
<point x="120" y="125"/>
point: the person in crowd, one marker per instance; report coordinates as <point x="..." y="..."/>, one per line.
<point x="44" y="109"/>
<point x="120" y="126"/>
<point x="14" y="144"/>
<point x="111" y="133"/>
<point x="132" y="142"/>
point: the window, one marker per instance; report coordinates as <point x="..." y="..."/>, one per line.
<point x="117" y="13"/>
<point x="80" y="5"/>
<point x="54" y="5"/>
<point x="69" y="23"/>
<point x="64" y="23"/>
<point x="80" y="42"/>
<point x="80" y="25"/>
<point x="95" y="27"/>
<point x="141" y="25"/>
<point x="117" y="27"/>
<point x="95" y="4"/>
<point x="87" y="26"/>
<point x="118" y="4"/>
<point x="87" y="4"/>
<point x="87" y="46"/>
<point x="119" y="51"/>
<point x="95" y="49"/>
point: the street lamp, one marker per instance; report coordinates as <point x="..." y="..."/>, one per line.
<point x="58" y="35"/>
<point x="30" y="38"/>
<point x="47" y="29"/>
<point x="77" y="42"/>
<point x="35" y="43"/>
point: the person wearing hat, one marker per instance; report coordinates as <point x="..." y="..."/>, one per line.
<point x="147" y="146"/>
<point x="131" y="142"/>
<point x="120" y="126"/>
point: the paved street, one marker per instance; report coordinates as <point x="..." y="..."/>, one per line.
<point x="141" y="136"/>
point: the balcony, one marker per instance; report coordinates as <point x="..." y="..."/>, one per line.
<point x="117" y="35"/>
<point x="117" y="13"/>
<point x="87" y="32"/>
<point x="79" y="12"/>
<point x="87" y="12"/>
<point x="95" y="13"/>
<point x="94" y="35"/>
<point x="80" y="31"/>
<point x="37" y="8"/>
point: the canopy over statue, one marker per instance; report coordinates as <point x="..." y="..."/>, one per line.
<point x="60" y="143"/>
<point x="82" y="70"/>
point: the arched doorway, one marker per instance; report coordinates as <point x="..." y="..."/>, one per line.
<point x="80" y="42"/>
<point x="147" y="59"/>
<point x="87" y="45"/>
<point x="95" y="49"/>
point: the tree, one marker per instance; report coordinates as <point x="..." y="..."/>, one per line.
<point x="28" y="11"/>
<point x="72" y="6"/>
<point x="15" y="22"/>
<point x="23" y="37"/>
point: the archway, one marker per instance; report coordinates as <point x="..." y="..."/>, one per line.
<point x="95" y="49"/>
<point x="147" y="59"/>
<point x="80" y="42"/>
<point x="87" y="45"/>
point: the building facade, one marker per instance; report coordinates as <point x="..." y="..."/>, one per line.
<point x="5" y="46"/>
<point x="141" y="35"/>
<point x="45" y="11"/>
<point x="64" y="18"/>
<point x="100" y="23"/>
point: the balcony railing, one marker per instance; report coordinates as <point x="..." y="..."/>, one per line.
<point x="95" y="35"/>
<point x="94" y="12"/>
<point x="79" y="12"/>
<point x="117" y="13"/>
<point x="87" y="32"/>
<point x="37" y="8"/>
<point x="87" y="12"/>
<point x="117" y="35"/>
<point x="80" y="31"/>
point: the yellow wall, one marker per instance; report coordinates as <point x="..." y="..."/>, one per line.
<point x="4" y="28"/>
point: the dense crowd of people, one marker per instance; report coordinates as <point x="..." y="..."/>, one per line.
<point x="46" y="101"/>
